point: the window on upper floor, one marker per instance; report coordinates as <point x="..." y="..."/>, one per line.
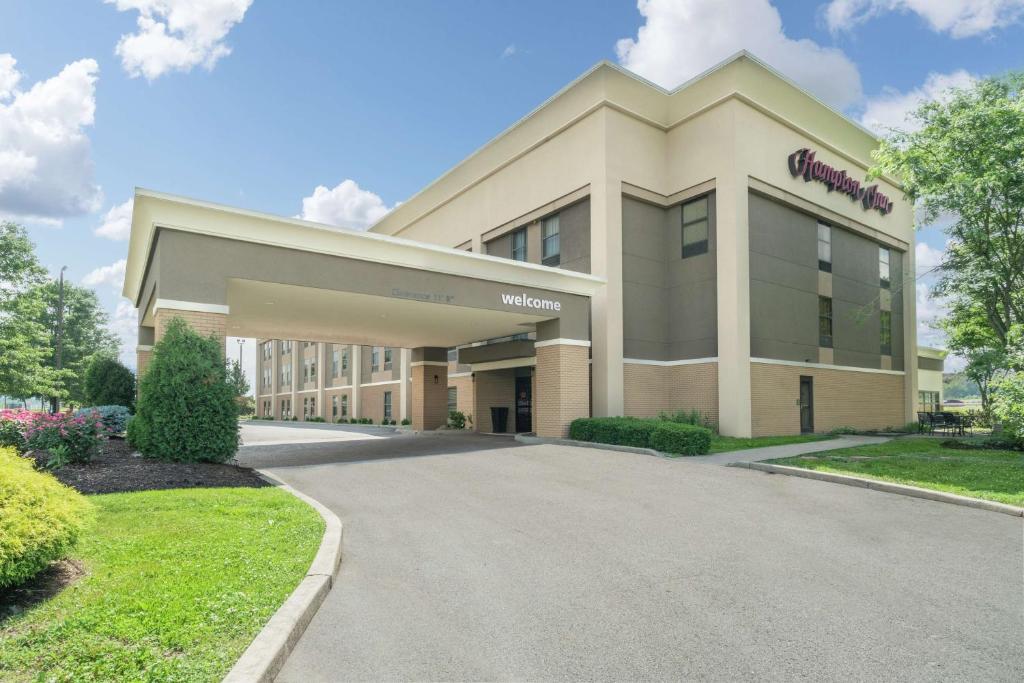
<point x="886" y="333"/>
<point x="375" y="359"/>
<point x="335" y="362"/>
<point x="825" y="321"/>
<point x="387" y="357"/>
<point x="883" y="267"/>
<point x="550" y="241"/>
<point x="519" y="245"/>
<point x="825" y="247"/>
<point x="695" y="227"/>
<point x="344" y="359"/>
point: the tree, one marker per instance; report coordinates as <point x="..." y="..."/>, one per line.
<point x="240" y="386"/>
<point x="186" y="409"/>
<point x="85" y="336"/>
<point x="969" y="335"/>
<point x="109" y="383"/>
<point x="964" y="161"/>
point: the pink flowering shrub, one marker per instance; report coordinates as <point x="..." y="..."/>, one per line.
<point x="76" y="437"/>
<point x="12" y="428"/>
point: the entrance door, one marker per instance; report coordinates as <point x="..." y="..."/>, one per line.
<point x="524" y="417"/>
<point x="806" y="404"/>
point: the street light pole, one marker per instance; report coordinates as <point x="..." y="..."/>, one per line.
<point x="58" y="361"/>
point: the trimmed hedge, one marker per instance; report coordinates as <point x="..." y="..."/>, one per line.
<point x="40" y="519"/>
<point x="668" y="437"/>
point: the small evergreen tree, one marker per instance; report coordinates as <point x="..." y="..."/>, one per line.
<point x="186" y="409"/>
<point x="109" y="383"/>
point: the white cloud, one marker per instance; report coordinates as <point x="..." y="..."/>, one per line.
<point x="889" y="110"/>
<point x="930" y="310"/>
<point x="112" y="275"/>
<point x="46" y="169"/>
<point x="959" y="18"/>
<point x="177" y="35"/>
<point x="125" y="324"/>
<point x="509" y="51"/>
<point x="682" y="38"/>
<point x="927" y="258"/>
<point x="117" y="223"/>
<point x="346" y="206"/>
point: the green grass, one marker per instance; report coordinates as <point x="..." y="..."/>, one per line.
<point x="178" y="583"/>
<point x="991" y="475"/>
<point x="721" y="444"/>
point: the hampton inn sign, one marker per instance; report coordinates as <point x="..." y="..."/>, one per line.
<point x="803" y="163"/>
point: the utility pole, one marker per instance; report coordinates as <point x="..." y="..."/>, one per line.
<point x="58" y="361"/>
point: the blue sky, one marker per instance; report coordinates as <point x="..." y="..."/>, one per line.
<point x="257" y="103"/>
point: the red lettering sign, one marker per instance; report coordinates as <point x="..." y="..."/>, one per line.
<point x="803" y="163"/>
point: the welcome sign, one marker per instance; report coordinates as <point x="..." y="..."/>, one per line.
<point x="803" y="163"/>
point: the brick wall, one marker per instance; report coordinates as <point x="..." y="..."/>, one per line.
<point x="142" y="359"/>
<point x="327" y="404"/>
<point x="203" y="323"/>
<point x="429" y="399"/>
<point x="650" y="389"/>
<point x="371" y="401"/>
<point x="865" y="400"/>
<point x="563" y="388"/>
<point x="464" y="397"/>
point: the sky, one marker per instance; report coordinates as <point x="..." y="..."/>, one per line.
<point x="336" y="111"/>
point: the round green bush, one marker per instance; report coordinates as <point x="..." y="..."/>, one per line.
<point x="109" y="383"/>
<point x="186" y="410"/>
<point x="40" y="519"/>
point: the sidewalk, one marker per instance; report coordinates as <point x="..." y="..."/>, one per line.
<point x="786" y="451"/>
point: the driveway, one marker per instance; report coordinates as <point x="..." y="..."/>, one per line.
<point x="554" y="562"/>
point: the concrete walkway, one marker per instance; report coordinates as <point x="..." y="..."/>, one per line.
<point x="787" y="450"/>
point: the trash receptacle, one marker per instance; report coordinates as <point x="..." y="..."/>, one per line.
<point x="499" y="420"/>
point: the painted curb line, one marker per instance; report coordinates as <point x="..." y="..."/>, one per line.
<point x="884" y="486"/>
<point x="266" y="654"/>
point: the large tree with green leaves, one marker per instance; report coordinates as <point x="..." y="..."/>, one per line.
<point x="965" y="160"/>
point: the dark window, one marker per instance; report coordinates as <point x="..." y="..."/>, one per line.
<point x="334" y="407"/>
<point x="344" y="359"/>
<point x="928" y="401"/>
<point x="886" y="336"/>
<point x="519" y="245"/>
<point x="825" y="321"/>
<point x="387" y="357"/>
<point x="883" y="267"/>
<point x="695" y="227"/>
<point x="550" y="241"/>
<point x="825" y="247"/>
<point x="453" y="399"/>
<point x="344" y="405"/>
<point x="387" y="405"/>
<point x="375" y="359"/>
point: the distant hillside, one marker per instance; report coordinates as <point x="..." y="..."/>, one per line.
<point x="956" y="385"/>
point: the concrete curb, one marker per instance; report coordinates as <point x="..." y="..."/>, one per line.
<point x="524" y="438"/>
<point x="884" y="486"/>
<point x="266" y="654"/>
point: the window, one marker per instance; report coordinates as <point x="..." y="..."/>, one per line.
<point x="453" y="354"/>
<point x="286" y="409"/>
<point x="387" y="357"/>
<point x="344" y="405"/>
<point x="453" y="399"/>
<point x="344" y="359"/>
<point x="825" y="321"/>
<point x="308" y="407"/>
<point x="695" y="227"/>
<point x="266" y="409"/>
<point x="551" y="247"/>
<point x="286" y="347"/>
<point x="268" y="350"/>
<point x="375" y="359"/>
<point x="519" y="245"/>
<point x="309" y="370"/>
<point x="886" y="335"/>
<point x="825" y="247"/>
<point x="334" y="407"/>
<point x="286" y="374"/>
<point x="335" y="362"/>
<point x="266" y="378"/>
<point x="387" y="405"/>
<point x="883" y="267"/>
<point x="928" y="401"/>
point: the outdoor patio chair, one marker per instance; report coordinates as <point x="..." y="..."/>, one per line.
<point x="927" y="422"/>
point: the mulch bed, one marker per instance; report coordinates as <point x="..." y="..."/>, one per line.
<point x="115" y="470"/>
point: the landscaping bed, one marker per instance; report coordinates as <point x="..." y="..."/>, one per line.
<point x="171" y="586"/>
<point x="986" y="473"/>
<point x="114" y="469"/>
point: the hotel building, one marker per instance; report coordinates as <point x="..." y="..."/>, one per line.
<point x="621" y="250"/>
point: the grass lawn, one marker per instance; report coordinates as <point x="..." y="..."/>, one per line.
<point x="178" y="583"/>
<point x="721" y="444"/>
<point x="992" y="475"/>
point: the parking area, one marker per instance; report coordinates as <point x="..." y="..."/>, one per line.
<point x="504" y="561"/>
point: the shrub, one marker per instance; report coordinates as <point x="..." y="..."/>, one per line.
<point x="1008" y="406"/>
<point x="406" y="422"/>
<point x="12" y="428"/>
<point x="993" y="442"/>
<point x="457" y="419"/>
<point x="341" y="421"/>
<point x="76" y="437"/>
<point x="839" y="431"/>
<point x="316" y="418"/>
<point x="109" y="383"/>
<point x="619" y="431"/>
<point x="681" y="438"/>
<point x="40" y="519"/>
<point x="114" y="418"/>
<point x="692" y="417"/>
<point x="186" y="409"/>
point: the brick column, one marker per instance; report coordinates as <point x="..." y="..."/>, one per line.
<point x="429" y="373"/>
<point x="563" y="386"/>
<point x="143" y="354"/>
<point x="203" y="322"/>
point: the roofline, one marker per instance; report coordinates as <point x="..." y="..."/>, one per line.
<point x="931" y="352"/>
<point x="584" y="281"/>
<point x="604" y="63"/>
